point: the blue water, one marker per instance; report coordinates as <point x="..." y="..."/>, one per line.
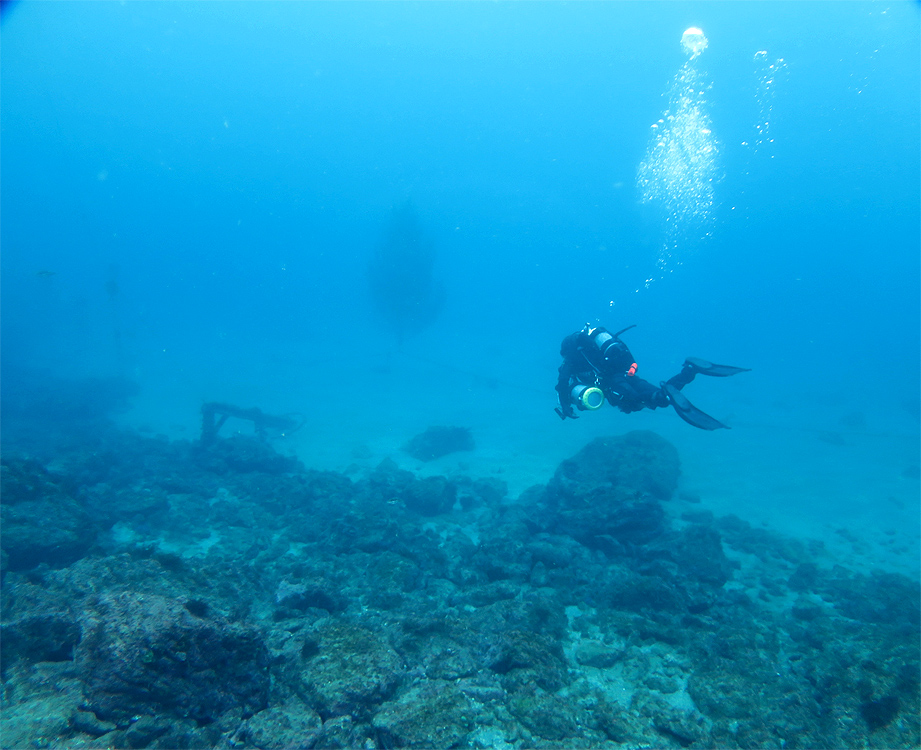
<point x="193" y="191"/>
<point x="234" y="202"/>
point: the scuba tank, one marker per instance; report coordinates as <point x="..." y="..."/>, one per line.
<point x="607" y="351"/>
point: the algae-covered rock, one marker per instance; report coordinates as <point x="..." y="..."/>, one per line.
<point x="687" y="728"/>
<point x="525" y="657"/>
<point x="348" y="669"/>
<point x="435" y="714"/>
<point x="443" y="658"/>
<point x="344" y="733"/>
<point x="545" y="715"/>
<point x="25" y="479"/>
<point x="147" y="654"/>
<point x="397" y="630"/>
<point x="430" y="496"/>
<point x="37" y="722"/>
<point x="592" y="653"/>
<point x="698" y="552"/>
<point x="628" y="590"/>
<point x="539" y="612"/>
<point x="314" y="593"/>
<point x="55" y="532"/>
<point x="292" y="725"/>
<point x="88" y="723"/>
<point x="695" y="553"/>
<point x="640" y="462"/>
<point x="38" y="627"/>
<point x="41" y="522"/>
<point x="608" y="495"/>
<point x="242" y="454"/>
<point x="145" y="729"/>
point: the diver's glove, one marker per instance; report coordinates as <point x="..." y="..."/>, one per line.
<point x="562" y="415"/>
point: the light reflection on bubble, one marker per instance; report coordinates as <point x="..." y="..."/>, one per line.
<point x="681" y="165"/>
<point x="768" y="73"/>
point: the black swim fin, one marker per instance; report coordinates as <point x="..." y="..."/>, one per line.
<point x="690" y="413"/>
<point x="716" y="371"/>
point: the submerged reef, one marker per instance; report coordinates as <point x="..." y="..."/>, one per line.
<point x="161" y="594"/>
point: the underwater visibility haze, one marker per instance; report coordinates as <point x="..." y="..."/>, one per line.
<point x="284" y="286"/>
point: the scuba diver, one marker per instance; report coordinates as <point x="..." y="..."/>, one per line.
<point x="597" y="365"/>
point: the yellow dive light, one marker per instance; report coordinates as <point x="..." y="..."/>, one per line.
<point x="587" y="398"/>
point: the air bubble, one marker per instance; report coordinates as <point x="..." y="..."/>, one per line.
<point x="680" y="167"/>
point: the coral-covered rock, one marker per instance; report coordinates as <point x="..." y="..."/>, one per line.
<point x="245" y="454"/>
<point x="695" y="553"/>
<point x="344" y="733"/>
<point x="628" y="590"/>
<point x="41" y="522"/>
<point x="444" y="659"/>
<point x="430" y="496"/>
<point x="487" y="492"/>
<point x="279" y="728"/>
<point x="147" y="654"/>
<point x="435" y="714"/>
<point x="682" y="727"/>
<point x="640" y="462"/>
<point x="389" y="485"/>
<point x="55" y="531"/>
<point x="608" y="495"/>
<point x="593" y="653"/>
<point x="37" y="722"/>
<point x="548" y="716"/>
<point x="526" y="658"/>
<point x="398" y="627"/>
<point x="348" y="669"/>
<point x="605" y="518"/>
<point x="25" y="479"/>
<point x="316" y="593"/>
<point x="41" y="627"/>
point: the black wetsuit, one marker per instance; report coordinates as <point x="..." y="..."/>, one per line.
<point x="611" y="367"/>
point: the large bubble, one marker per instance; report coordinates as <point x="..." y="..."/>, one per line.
<point x="680" y="169"/>
<point x="693" y="41"/>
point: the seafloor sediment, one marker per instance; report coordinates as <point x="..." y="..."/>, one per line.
<point x="158" y="594"/>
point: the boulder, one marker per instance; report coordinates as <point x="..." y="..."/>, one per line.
<point x="41" y="522"/>
<point x="436" y="714"/>
<point x="39" y="627"/>
<point x="436" y="442"/>
<point x="279" y="728"/>
<point x="640" y="462"/>
<point x="608" y="495"/>
<point x="348" y="669"/>
<point x="147" y="654"/>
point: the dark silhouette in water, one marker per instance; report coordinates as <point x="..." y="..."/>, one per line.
<point x="5" y="7"/>
<point x="436" y="442"/>
<point x="213" y="416"/>
<point x="402" y="284"/>
<point x="45" y="398"/>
